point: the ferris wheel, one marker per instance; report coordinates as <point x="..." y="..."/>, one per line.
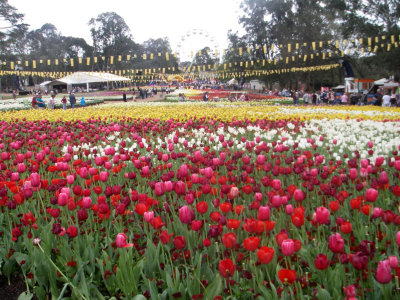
<point x="195" y="40"/>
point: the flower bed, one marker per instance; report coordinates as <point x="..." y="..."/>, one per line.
<point x="202" y="202"/>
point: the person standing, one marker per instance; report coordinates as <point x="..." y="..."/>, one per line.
<point x="83" y="103"/>
<point x="344" y="99"/>
<point x="51" y="103"/>
<point x="34" y="102"/>
<point x="386" y="100"/>
<point x="64" y="103"/>
<point x="306" y="98"/>
<point x="124" y="96"/>
<point x="72" y="99"/>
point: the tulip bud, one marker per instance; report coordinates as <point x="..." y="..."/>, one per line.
<point x="322" y="215"/>
<point x="186" y="215"/>
<point x="393" y="262"/>
<point x="103" y="176"/>
<point x="70" y="179"/>
<point x="62" y="199"/>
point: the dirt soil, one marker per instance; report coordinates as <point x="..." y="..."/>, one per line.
<point x="11" y="292"/>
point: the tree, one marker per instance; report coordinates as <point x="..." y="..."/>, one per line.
<point x="12" y="29"/>
<point x="111" y="36"/>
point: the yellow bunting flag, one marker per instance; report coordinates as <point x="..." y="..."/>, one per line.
<point x="111" y="59"/>
<point x="313" y="45"/>
<point x="56" y="62"/>
<point x="119" y="57"/>
<point x="88" y="61"/>
<point x="361" y="41"/>
<point x="240" y="51"/>
<point x="321" y="44"/>
<point x="166" y="55"/>
<point x="34" y="64"/>
<point x="151" y="55"/>
<point x="265" y="49"/>
<point x="144" y="56"/>
<point x="289" y="47"/>
<point x="27" y="63"/>
<point x="11" y="65"/>
<point x="71" y="62"/>
<point x="80" y="60"/>
<point x="48" y="62"/>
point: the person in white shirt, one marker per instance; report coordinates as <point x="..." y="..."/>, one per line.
<point x="386" y="100"/>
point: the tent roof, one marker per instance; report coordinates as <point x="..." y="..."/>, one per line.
<point x="390" y="85"/>
<point x="44" y="83"/>
<point x="380" y="81"/>
<point x="89" y="77"/>
<point x="338" y="87"/>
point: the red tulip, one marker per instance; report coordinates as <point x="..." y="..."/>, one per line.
<point x="265" y="254"/>
<point x="179" y="242"/>
<point x="321" y="262"/>
<point x="371" y="195"/>
<point x="280" y="237"/>
<point x="226" y="268"/>
<point x="165" y="237"/>
<point x="383" y="272"/>
<point x="287" y="276"/>
<point x="350" y="292"/>
<point x="379" y="161"/>
<point x="346" y="227"/>
<point x="72" y="231"/>
<point x="251" y="243"/>
<point x="233" y="223"/>
<point x="336" y="243"/>
<point x="229" y="240"/>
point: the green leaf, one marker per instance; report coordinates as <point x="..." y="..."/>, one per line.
<point x="214" y="288"/>
<point x="323" y="294"/>
<point x="139" y="297"/>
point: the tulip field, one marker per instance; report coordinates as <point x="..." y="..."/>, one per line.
<point x="201" y="201"/>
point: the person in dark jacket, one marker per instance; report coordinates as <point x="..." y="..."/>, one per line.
<point x="124" y="96"/>
<point x="72" y="99"/>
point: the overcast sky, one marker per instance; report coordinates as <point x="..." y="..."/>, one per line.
<point x="146" y="19"/>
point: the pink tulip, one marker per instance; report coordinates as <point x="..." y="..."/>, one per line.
<point x="370" y="144"/>
<point x="14" y="176"/>
<point x="19" y="158"/>
<point x="287" y="247"/>
<point x="298" y="195"/>
<point x="383" y="178"/>
<point x="146" y="171"/>
<point x="264" y="213"/>
<point x="186" y="215"/>
<point x="35" y="179"/>
<point x="148" y="216"/>
<point x="276" y="184"/>
<point x="180" y="188"/>
<point x="353" y="173"/>
<point x="120" y="241"/>
<point x="103" y="176"/>
<point x="398" y="238"/>
<point x="364" y="163"/>
<point x="168" y="186"/>
<point x="86" y="202"/>
<point x="371" y="195"/>
<point x="208" y="172"/>
<point x="336" y="243"/>
<point x="62" y="199"/>
<point x="70" y="179"/>
<point x="289" y="209"/>
<point x="322" y="215"/>
<point x="258" y="196"/>
<point x="98" y="161"/>
<point x="276" y="201"/>
<point x="397" y="165"/>
<point x="195" y="178"/>
<point x="261" y="159"/>
<point x="107" y="165"/>
<point x="159" y="188"/>
<point x="379" y="161"/>
<point x="383" y="272"/>
<point x="393" y="262"/>
<point x="165" y="157"/>
<point x="83" y="172"/>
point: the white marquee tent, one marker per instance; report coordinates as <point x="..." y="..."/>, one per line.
<point x="80" y="78"/>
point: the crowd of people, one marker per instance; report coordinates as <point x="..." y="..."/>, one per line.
<point x="39" y="103"/>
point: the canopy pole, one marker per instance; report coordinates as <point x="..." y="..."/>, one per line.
<point x="87" y="86"/>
